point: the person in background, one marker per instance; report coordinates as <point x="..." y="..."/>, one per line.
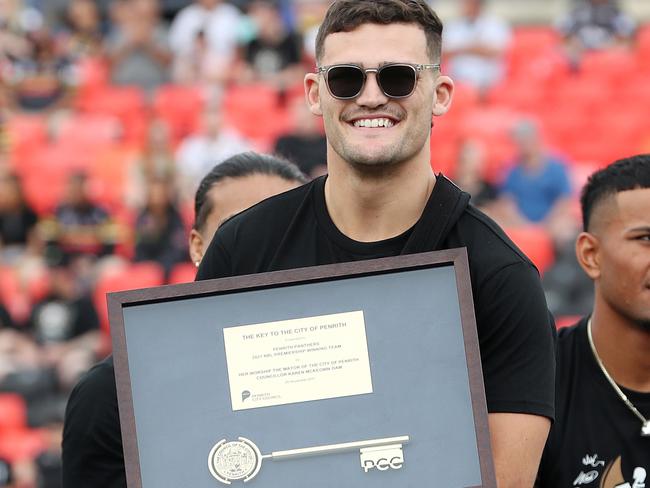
<point x="216" y="19"/>
<point x="468" y="175"/>
<point x="92" y="440"/>
<point x="537" y="189"/>
<point x="602" y="430"/>
<point x="137" y="48"/>
<point x="274" y="55"/>
<point x="79" y="227"/>
<point x="17" y="220"/>
<point x="160" y="232"/>
<point x="199" y="152"/>
<point x="82" y="36"/>
<point x="475" y="46"/>
<point x="306" y="145"/>
<point x="593" y="25"/>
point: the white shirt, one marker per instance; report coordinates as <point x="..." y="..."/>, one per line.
<point x="480" y="71"/>
<point x="220" y="25"/>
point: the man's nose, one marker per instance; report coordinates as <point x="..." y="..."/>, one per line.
<point x="371" y="95"/>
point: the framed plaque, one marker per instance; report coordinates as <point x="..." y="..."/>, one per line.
<point x="363" y="374"/>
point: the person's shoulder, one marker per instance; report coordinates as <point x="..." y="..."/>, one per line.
<point x="278" y="209"/>
<point x="570" y="338"/>
<point x="97" y="383"/>
<point x="486" y="241"/>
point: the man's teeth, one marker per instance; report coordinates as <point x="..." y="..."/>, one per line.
<point x="373" y="123"/>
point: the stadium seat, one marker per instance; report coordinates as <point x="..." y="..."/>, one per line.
<point x="13" y="412"/>
<point x="23" y="444"/>
<point x="535" y="243"/>
<point x="255" y="112"/>
<point x="566" y="321"/>
<point x="612" y="65"/>
<point x="180" y="107"/>
<point x="88" y="130"/>
<point x="182" y="273"/>
<point x="124" y="277"/>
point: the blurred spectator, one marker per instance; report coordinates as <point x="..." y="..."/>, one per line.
<point x="274" y="55"/>
<point x="138" y="47"/>
<point x="66" y="326"/>
<point x="5" y="318"/>
<point x="83" y="35"/>
<point x="306" y="146"/>
<point x="156" y="160"/>
<point x="475" y="46"/>
<point x="468" y="175"/>
<point x="596" y="24"/>
<point x="13" y="41"/>
<point x="17" y="219"/>
<point x="218" y="20"/>
<point x="43" y="78"/>
<point x="538" y="184"/>
<point x="198" y="153"/>
<point x="160" y="232"/>
<point x="80" y="227"/>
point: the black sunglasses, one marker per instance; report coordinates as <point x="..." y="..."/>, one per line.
<point x="396" y="80"/>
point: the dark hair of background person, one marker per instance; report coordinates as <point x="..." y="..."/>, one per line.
<point x="625" y="174"/>
<point x="238" y="166"/>
<point x="347" y="15"/>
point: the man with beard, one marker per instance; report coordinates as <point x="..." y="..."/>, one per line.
<point x="377" y="87"/>
<point x="602" y="430"/>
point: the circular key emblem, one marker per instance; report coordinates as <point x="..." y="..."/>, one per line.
<point x="234" y="460"/>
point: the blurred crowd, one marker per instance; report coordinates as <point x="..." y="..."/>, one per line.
<point x="111" y="111"/>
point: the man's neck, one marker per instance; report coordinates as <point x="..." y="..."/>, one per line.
<point x="623" y="348"/>
<point x="370" y="206"/>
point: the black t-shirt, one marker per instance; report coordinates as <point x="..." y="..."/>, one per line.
<point x="267" y="58"/>
<point x="516" y="336"/>
<point x="294" y="230"/>
<point x="57" y="319"/>
<point x="596" y="440"/>
<point x="15" y="226"/>
<point x="92" y="440"/>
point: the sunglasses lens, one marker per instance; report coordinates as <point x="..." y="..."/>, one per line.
<point x="397" y="81"/>
<point x="345" y="81"/>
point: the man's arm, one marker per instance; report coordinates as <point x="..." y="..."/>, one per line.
<point x="517" y="444"/>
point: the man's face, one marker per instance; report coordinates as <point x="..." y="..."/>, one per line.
<point x="371" y="46"/>
<point x="623" y="232"/>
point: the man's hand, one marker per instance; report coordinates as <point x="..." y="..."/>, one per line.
<point x="517" y="444"/>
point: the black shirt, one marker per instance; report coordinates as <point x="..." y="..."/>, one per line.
<point x="596" y="440"/>
<point x="294" y="230"/>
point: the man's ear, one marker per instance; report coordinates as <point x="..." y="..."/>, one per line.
<point x="312" y="93"/>
<point x="587" y="253"/>
<point x="444" y="91"/>
<point x="196" y="246"/>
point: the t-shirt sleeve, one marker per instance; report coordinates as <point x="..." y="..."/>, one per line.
<point x="517" y="342"/>
<point x="92" y="441"/>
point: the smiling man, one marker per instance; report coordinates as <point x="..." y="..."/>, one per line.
<point x="602" y="433"/>
<point x="377" y="87"/>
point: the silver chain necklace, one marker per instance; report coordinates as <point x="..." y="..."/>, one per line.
<point x="645" y="429"/>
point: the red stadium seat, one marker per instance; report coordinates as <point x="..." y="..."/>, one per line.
<point x="180" y="107"/>
<point x="255" y="111"/>
<point x="22" y="445"/>
<point x="13" y="412"/>
<point x="83" y="130"/>
<point x="124" y="277"/>
<point x="535" y="243"/>
<point x="566" y="321"/>
<point x="182" y="273"/>
<point x="611" y="65"/>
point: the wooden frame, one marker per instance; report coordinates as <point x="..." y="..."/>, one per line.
<point x="457" y="258"/>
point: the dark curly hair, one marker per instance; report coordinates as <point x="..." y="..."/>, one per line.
<point x="625" y="174"/>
